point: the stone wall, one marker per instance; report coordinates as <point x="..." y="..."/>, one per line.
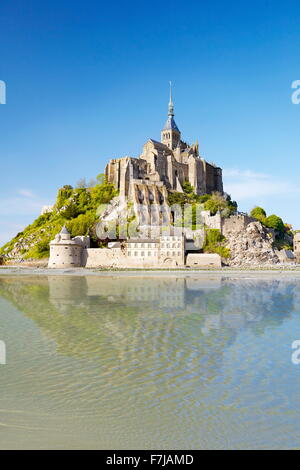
<point x="194" y="260"/>
<point x="236" y="223"/>
<point x="213" y="178"/>
<point x="212" y="221"/>
<point x="102" y="257"/>
<point x="115" y="258"/>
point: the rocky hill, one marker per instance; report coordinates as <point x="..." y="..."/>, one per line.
<point x="253" y="246"/>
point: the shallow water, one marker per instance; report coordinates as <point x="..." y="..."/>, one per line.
<point x="149" y="362"/>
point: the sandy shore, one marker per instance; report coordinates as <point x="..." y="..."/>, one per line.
<point x="274" y="272"/>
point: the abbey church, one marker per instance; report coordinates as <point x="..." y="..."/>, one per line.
<point x="146" y="182"/>
<point x="164" y="166"/>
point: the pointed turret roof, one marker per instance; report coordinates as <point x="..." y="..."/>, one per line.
<point x="65" y="230"/>
<point x="170" y="123"/>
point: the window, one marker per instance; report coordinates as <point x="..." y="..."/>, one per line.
<point x="149" y="253"/>
<point x="135" y="253"/>
<point x="129" y="253"/>
<point x="142" y="254"/>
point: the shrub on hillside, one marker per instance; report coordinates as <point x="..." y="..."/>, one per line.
<point x="187" y="188"/>
<point x="259" y="213"/>
<point x="217" y="202"/>
<point x="103" y="193"/>
<point x="63" y="194"/>
<point x="81" y="224"/>
<point x="275" y="222"/>
<point x="214" y="243"/>
<point x="74" y="207"/>
<point x="39" y="250"/>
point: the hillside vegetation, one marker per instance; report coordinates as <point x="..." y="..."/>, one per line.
<point x="283" y="231"/>
<point x="74" y="207"/>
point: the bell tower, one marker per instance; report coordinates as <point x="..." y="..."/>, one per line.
<point x="170" y="135"/>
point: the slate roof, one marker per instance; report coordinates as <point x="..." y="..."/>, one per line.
<point x="170" y="124"/>
<point x="64" y="230"/>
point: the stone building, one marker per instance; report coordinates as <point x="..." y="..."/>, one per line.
<point x="297" y="246"/>
<point x="67" y="252"/>
<point x="162" y="166"/>
<point x="164" y="251"/>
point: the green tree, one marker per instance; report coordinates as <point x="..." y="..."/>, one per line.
<point x="188" y="188"/>
<point x="103" y="193"/>
<point x="259" y="213"/>
<point x="70" y="211"/>
<point x="81" y="224"/>
<point x="63" y="194"/>
<point x="275" y="222"/>
<point x="83" y="200"/>
<point x="100" y="178"/>
<point x="217" y="202"/>
<point x="231" y="206"/>
<point x="204" y="198"/>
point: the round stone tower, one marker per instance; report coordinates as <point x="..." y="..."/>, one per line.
<point x="64" y="252"/>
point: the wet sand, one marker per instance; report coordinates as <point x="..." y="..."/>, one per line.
<point x="246" y="272"/>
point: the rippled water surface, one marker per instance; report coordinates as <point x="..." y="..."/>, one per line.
<point x="154" y="362"/>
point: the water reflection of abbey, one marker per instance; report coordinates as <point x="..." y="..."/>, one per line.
<point x="222" y="302"/>
<point x="163" y="322"/>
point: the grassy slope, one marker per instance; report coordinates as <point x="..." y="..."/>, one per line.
<point x="75" y="208"/>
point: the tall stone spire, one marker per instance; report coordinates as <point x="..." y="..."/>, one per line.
<point x="171" y="106"/>
<point x="170" y="134"/>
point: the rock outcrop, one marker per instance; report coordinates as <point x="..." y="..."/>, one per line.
<point x="252" y="246"/>
<point x="20" y="247"/>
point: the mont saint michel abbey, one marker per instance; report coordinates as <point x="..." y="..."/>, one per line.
<point x="164" y="166"/>
<point x="146" y="181"/>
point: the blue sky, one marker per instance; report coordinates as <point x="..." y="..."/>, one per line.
<point x="88" y="81"/>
